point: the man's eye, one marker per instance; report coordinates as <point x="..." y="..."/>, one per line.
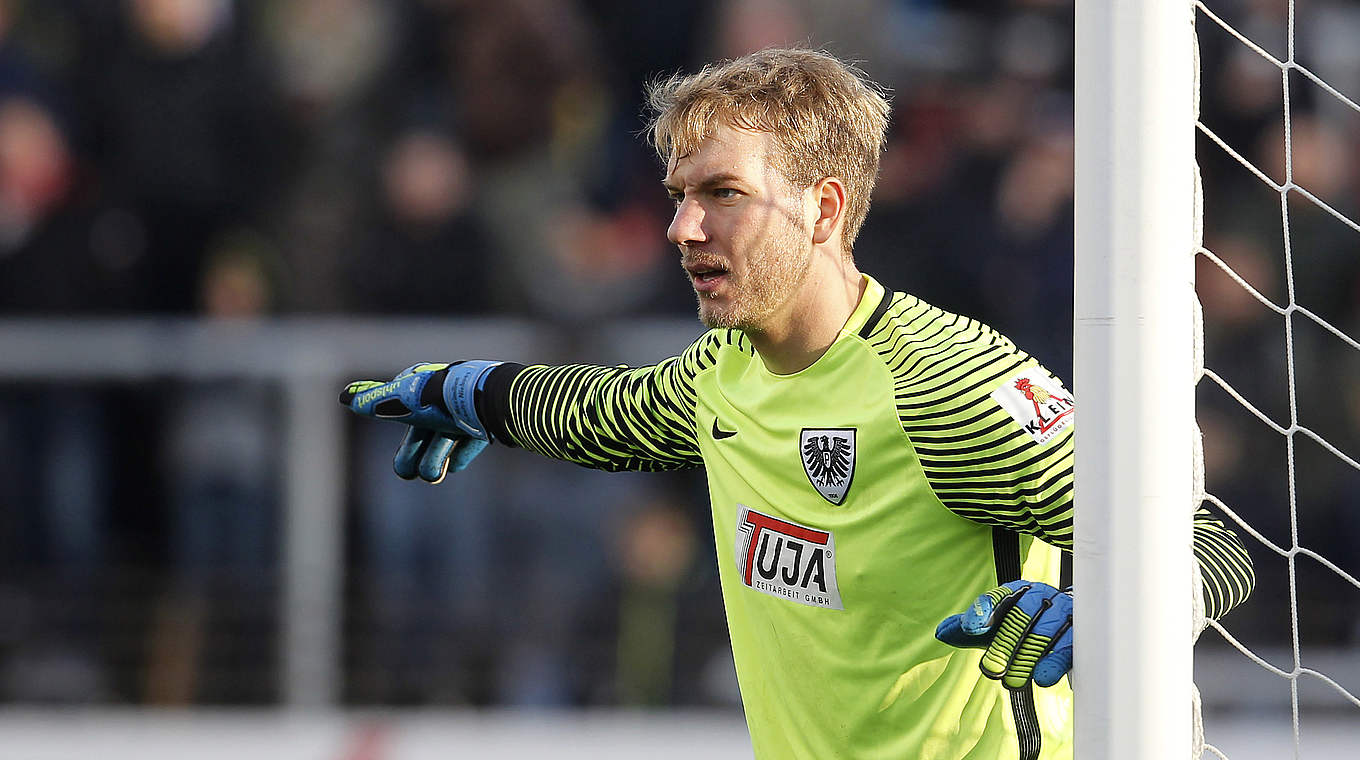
<point x="724" y="193"/>
<point x="676" y="198"/>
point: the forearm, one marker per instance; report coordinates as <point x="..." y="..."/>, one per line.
<point x="607" y="418"/>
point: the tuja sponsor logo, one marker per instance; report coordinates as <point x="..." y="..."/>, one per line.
<point x="786" y="560"/>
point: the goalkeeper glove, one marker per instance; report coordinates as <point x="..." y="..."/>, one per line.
<point x="438" y="401"/>
<point x="1026" y="628"/>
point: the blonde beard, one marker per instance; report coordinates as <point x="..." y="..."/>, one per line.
<point x="773" y="274"/>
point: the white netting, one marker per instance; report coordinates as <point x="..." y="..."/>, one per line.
<point x="1243" y="35"/>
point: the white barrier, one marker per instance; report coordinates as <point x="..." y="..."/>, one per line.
<point x="442" y="735"/>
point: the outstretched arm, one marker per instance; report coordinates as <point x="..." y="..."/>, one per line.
<point x="609" y="418"/>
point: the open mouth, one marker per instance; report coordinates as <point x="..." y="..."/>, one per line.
<point x="706" y="276"/>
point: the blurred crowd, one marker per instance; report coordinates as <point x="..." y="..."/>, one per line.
<point x="250" y="159"/>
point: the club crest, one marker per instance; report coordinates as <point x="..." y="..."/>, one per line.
<point x="829" y="460"/>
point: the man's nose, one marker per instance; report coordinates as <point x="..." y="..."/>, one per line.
<point x="687" y="227"/>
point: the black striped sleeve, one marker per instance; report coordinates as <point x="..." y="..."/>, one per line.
<point x="1226" y="570"/>
<point x="610" y="418"/>
<point x="983" y="466"/>
<point x="976" y="458"/>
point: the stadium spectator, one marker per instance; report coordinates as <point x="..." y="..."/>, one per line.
<point x="423" y="232"/>
<point x="219" y="457"/>
<point x="426" y="577"/>
<point x="54" y="438"/>
<point x="655" y="636"/>
<point x="335" y="62"/>
<point x="185" y="125"/>
<point x="534" y="104"/>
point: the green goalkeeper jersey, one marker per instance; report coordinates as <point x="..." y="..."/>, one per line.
<point x="921" y="461"/>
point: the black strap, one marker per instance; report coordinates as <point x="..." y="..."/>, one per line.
<point x="1006" y="553"/>
<point x="493" y="401"/>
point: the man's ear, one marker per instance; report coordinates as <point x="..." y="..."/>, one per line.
<point x="830" y="196"/>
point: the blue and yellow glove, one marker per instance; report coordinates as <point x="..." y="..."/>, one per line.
<point x="1026" y="628"/>
<point x="438" y="401"/>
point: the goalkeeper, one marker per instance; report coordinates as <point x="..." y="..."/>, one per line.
<point x="891" y="484"/>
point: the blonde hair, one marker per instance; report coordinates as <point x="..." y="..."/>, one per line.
<point x="827" y="118"/>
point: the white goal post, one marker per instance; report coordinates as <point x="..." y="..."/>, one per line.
<point x="1134" y="307"/>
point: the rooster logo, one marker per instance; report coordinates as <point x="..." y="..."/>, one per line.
<point x="829" y="460"/>
<point x="1036" y="395"/>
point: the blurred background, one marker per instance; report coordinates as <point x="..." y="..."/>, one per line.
<point x="213" y="212"/>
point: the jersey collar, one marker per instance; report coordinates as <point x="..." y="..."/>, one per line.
<point x="868" y="304"/>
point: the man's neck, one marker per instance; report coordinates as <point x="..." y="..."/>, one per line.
<point x="811" y="320"/>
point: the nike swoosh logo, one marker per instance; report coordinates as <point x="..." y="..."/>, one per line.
<point x="718" y="434"/>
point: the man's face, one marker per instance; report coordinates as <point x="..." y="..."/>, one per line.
<point x="741" y="228"/>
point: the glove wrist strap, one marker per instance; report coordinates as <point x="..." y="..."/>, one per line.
<point x="460" y="394"/>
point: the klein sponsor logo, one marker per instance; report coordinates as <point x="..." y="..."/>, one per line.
<point x="1038" y="402"/>
<point x="787" y="560"/>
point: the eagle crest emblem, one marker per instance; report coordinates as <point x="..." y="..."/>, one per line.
<point x="829" y="460"/>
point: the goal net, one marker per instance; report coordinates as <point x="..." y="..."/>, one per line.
<point x="1278" y="276"/>
<point x="1217" y="306"/>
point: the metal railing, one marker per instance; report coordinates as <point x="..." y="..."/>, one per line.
<point x="309" y="359"/>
